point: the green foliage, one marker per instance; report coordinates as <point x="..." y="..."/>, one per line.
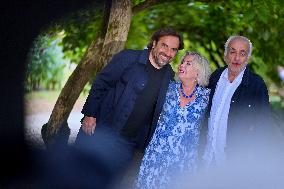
<point x="45" y="63"/>
<point x="206" y="26"/>
<point x="49" y="96"/>
<point x="60" y="45"/>
<point x="80" y="29"/>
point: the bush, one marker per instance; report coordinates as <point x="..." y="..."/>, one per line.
<point x="46" y="63"/>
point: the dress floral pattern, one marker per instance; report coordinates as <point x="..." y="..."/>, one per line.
<point x="173" y="148"/>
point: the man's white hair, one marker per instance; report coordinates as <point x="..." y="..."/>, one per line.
<point x="231" y="38"/>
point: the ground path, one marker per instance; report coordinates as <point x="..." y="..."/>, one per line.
<point x="38" y="111"/>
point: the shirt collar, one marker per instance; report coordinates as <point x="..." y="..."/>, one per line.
<point x="238" y="79"/>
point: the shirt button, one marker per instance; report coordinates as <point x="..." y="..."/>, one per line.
<point x="233" y="101"/>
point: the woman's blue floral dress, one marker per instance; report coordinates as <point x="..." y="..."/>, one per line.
<point x="173" y="148"/>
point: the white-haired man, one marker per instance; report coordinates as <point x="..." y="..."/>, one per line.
<point x="238" y="110"/>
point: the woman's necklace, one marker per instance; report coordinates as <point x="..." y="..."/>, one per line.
<point x="183" y="93"/>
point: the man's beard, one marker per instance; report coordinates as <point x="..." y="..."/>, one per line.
<point x="159" y="62"/>
<point x="234" y="69"/>
<point x="240" y="69"/>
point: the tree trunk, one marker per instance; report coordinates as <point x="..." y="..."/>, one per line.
<point x="111" y="39"/>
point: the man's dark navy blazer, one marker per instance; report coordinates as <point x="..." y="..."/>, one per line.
<point x="117" y="86"/>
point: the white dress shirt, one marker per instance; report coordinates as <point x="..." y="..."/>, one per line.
<point x="217" y="123"/>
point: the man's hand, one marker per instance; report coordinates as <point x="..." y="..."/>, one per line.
<point x="89" y="125"/>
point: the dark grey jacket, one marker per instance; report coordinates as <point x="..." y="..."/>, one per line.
<point x="249" y="114"/>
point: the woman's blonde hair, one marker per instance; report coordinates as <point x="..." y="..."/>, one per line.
<point x="202" y="65"/>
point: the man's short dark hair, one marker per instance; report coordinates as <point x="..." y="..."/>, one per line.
<point x="166" y="32"/>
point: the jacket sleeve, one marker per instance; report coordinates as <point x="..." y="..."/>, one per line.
<point x="104" y="81"/>
<point x="263" y="98"/>
<point x="263" y="113"/>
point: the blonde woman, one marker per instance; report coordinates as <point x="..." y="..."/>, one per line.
<point x="173" y="148"/>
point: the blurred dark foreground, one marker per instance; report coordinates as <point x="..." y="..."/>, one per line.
<point x="90" y="166"/>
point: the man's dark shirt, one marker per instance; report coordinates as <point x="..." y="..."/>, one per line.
<point x="142" y="114"/>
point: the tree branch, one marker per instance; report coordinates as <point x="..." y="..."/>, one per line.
<point x="209" y="1"/>
<point x="150" y="3"/>
<point x="147" y="4"/>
